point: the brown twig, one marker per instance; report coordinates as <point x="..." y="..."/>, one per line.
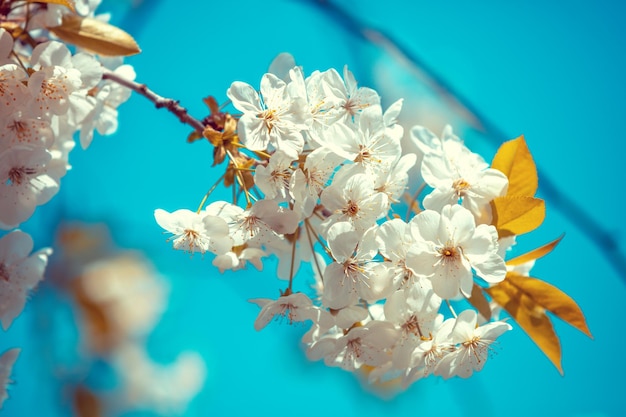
<point x="173" y="106"/>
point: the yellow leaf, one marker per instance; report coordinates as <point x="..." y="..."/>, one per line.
<point x="515" y="161"/>
<point x="534" y="254"/>
<point x="479" y="302"/>
<point x="67" y="3"/>
<point x="552" y="299"/>
<point x="516" y="215"/>
<point x="96" y="36"/>
<point x="530" y="317"/>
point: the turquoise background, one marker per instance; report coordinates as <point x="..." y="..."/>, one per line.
<point x="549" y="70"/>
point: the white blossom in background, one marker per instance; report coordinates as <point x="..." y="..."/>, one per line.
<point x="20" y="272"/>
<point x="7" y="360"/>
<point x="167" y="389"/>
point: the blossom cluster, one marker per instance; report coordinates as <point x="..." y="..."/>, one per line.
<point x="322" y="169"/>
<point x="49" y="95"/>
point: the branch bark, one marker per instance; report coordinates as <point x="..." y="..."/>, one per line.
<point x="173" y="106"/>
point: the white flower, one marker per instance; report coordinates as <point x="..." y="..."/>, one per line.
<point x="353" y="200"/>
<point x="362" y="345"/>
<point x="449" y="245"/>
<point x="103" y="115"/>
<point x="393" y="182"/>
<point x="195" y="231"/>
<point x="371" y="149"/>
<point x="456" y="174"/>
<point x="307" y="183"/>
<point x="13" y="93"/>
<point x="262" y="224"/>
<point x="473" y="345"/>
<point x="25" y="182"/>
<point x="351" y="100"/>
<point x="234" y="261"/>
<point x="430" y="350"/>
<point x="21" y="127"/>
<point x="295" y="307"/>
<point x="321" y="103"/>
<point x="7" y="360"/>
<point x="274" y="178"/>
<point x="19" y="273"/>
<point x="413" y="311"/>
<point x="394" y="239"/>
<point x="353" y="273"/>
<point x="274" y="118"/>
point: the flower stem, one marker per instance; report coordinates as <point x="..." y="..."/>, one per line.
<point x="206" y="196"/>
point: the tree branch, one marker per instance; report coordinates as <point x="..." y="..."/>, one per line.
<point x="173" y="106"/>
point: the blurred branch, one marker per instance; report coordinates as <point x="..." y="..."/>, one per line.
<point x="571" y="209"/>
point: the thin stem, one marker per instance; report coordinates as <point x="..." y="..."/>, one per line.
<point x="293" y="260"/>
<point x="451" y="309"/>
<point x="239" y="177"/>
<point x="206" y="196"/>
<point x="413" y="202"/>
<point x="19" y="61"/>
<point x="317" y="264"/>
<point x="171" y="105"/>
<point x="317" y="237"/>
<point x="224" y="104"/>
<point x="262" y="154"/>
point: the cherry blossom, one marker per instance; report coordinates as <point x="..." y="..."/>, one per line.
<point x="195" y="231"/>
<point x="25" y="183"/>
<point x="353" y="200"/>
<point x="353" y="273"/>
<point x="274" y="117"/>
<point x="474" y="344"/>
<point x="351" y="99"/>
<point x="361" y="345"/>
<point x="274" y="179"/>
<point x="456" y="174"/>
<point x="20" y="272"/>
<point x="293" y="307"/>
<point x="449" y="245"/>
